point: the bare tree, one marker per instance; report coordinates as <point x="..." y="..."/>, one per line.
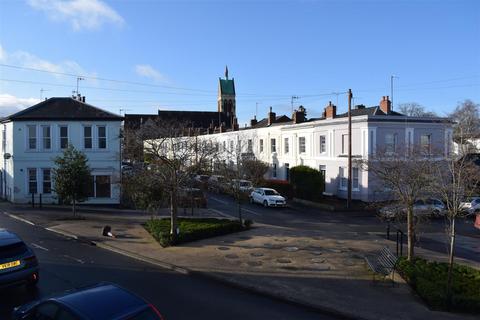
<point x="404" y="176"/>
<point x="173" y="151"/>
<point x="413" y="109"/>
<point x="467" y="126"/>
<point x="455" y="179"/>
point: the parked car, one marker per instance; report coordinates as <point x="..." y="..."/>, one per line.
<point x="18" y="263"/>
<point x="422" y="207"/>
<point x="201" y="181"/>
<point x="243" y="185"/>
<point x="268" y="197"/>
<point x="192" y="198"/>
<point x="471" y="206"/>
<point x="217" y="183"/>
<point x="104" y="301"/>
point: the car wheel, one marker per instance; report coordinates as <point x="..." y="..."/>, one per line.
<point x="265" y="204"/>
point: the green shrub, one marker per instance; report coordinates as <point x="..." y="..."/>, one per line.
<point x="282" y="186"/>
<point x="429" y="280"/>
<point x="191" y="229"/>
<point x="308" y="183"/>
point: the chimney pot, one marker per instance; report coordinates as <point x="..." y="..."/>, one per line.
<point x="386" y="105"/>
<point x="271" y="117"/>
<point x="330" y="111"/>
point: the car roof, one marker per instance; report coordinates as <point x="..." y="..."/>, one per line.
<point x="267" y="189"/>
<point x="104" y="301"/>
<point x="7" y="238"/>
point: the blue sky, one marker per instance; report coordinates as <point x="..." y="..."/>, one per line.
<point x="176" y="50"/>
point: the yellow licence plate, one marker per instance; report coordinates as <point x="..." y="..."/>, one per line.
<point x="9" y="264"/>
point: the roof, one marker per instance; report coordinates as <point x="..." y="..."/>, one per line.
<point x="371" y="111"/>
<point x="63" y="109"/>
<point x="227" y="86"/>
<point x="102" y="301"/>
<point x="197" y="119"/>
<point x="7" y="238"/>
<point x="283" y="119"/>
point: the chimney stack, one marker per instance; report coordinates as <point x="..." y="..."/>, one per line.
<point x="298" y="116"/>
<point x="271" y="117"/>
<point x="330" y="111"/>
<point x="386" y="105"/>
<point x="254" y="121"/>
<point x="83" y="99"/>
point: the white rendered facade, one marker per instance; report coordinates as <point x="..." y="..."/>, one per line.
<point x="30" y="146"/>
<point x="323" y="144"/>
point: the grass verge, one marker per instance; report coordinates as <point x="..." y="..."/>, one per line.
<point x="429" y="280"/>
<point x="193" y="229"/>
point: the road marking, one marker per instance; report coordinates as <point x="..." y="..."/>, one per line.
<point x="75" y="259"/>
<point x="221" y="201"/>
<point x="18" y="218"/>
<point x="65" y="234"/>
<point x="38" y="246"/>
<point x="220" y="213"/>
<point x="250" y="211"/>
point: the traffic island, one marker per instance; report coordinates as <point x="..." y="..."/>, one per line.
<point x="192" y="229"/>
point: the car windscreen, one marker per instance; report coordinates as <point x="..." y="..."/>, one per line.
<point x="12" y="250"/>
<point x="271" y="193"/>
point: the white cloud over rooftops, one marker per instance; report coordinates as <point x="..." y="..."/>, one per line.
<point x="81" y="14"/>
<point x="148" y="71"/>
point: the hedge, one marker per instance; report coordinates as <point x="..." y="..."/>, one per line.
<point x="307" y="182"/>
<point x="282" y="186"/>
<point x="193" y="229"/>
<point x="429" y="280"/>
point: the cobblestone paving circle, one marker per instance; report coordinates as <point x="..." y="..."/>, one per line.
<point x="316" y="253"/>
<point x="231" y="256"/>
<point x="284" y="260"/>
<point x="318" y="260"/>
<point x="257" y="254"/>
<point x="223" y="248"/>
<point x="254" y="263"/>
<point x="291" y="249"/>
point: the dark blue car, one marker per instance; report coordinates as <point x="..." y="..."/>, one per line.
<point x="104" y="301"/>
<point x="18" y="264"/>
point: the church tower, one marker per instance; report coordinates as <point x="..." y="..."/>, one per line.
<point x="226" y="99"/>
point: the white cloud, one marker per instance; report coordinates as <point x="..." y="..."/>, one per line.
<point x="3" y="54"/>
<point x="25" y="59"/>
<point x="148" y="71"/>
<point x="81" y="14"/>
<point x="10" y="104"/>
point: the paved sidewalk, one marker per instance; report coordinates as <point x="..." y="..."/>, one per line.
<point x="322" y="269"/>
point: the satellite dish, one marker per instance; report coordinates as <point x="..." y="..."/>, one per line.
<point x="7" y="156"/>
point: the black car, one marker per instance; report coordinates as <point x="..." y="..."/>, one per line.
<point x="103" y="301"/>
<point x="18" y="263"/>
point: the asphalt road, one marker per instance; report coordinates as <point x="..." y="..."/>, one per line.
<point x="66" y="264"/>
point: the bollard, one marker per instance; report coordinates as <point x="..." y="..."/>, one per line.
<point x="33" y="200"/>
<point x="388" y="230"/>
<point x="40" y="201"/>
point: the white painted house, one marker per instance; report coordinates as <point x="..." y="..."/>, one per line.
<point x="33" y="137"/>
<point x="323" y="143"/>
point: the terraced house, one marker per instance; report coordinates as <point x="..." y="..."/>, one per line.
<point x="322" y="143"/>
<point x="33" y="137"/>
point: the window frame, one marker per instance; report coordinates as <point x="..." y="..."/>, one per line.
<point x="30" y="180"/>
<point x="49" y="181"/>
<point x="60" y="137"/>
<point x="323" y="144"/>
<point x="273" y="145"/>
<point x="98" y="137"/>
<point x="302" y="145"/>
<point x="34" y="138"/>
<point x="286" y="146"/>
<point x="46" y="138"/>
